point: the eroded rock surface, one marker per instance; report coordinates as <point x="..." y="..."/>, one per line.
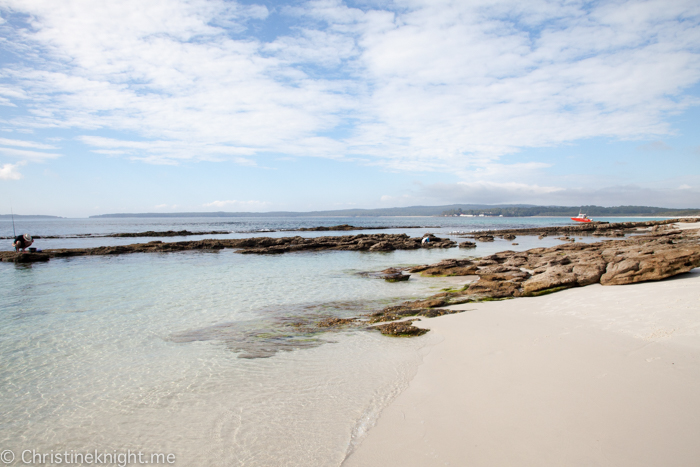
<point x="331" y="322"/>
<point x="255" y="245"/>
<point x="654" y="256"/>
<point x="616" y="229"/>
<point x="448" y="267"/>
<point x="401" y="329"/>
<point x="347" y="227"/>
<point x="395" y="275"/>
<point x="167" y="233"/>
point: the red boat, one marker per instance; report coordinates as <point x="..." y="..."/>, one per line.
<point x="581" y="218"/>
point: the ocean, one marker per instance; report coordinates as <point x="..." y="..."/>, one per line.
<point x="198" y="354"/>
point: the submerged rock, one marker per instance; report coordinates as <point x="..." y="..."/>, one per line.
<point x="467" y="244"/>
<point x="398" y="277"/>
<point x="397" y="312"/>
<point x="401" y="329"/>
<point x="332" y="322"/>
<point x="22" y="257"/>
<point x="389" y="275"/>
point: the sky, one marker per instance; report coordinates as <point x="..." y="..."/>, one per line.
<point x="211" y="105"/>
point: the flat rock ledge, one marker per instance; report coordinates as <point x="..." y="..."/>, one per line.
<point x="346" y="227"/>
<point x="655" y="256"/>
<point x="256" y="245"/>
<point x="658" y="255"/>
<point x="602" y="229"/>
<point x="148" y="233"/>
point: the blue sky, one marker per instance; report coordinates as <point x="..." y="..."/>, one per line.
<point x="208" y="105"/>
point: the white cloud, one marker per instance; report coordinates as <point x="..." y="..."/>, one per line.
<point x="10" y="172"/>
<point x="454" y="79"/>
<point x="244" y="205"/>
<point x="488" y="192"/>
<point x="25" y="144"/>
<point x="29" y="155"/>
<point x="164" y="152"/>
<point x="413" y="85"/>
<point x="514" y="193"/>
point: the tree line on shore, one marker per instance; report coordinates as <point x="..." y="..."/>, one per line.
<point x="569" y="211"/>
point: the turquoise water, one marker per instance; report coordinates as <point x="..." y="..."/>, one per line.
<point x="162" y="352"/>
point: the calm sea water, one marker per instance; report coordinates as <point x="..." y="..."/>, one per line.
<point x="163" y="352"/>
<point x="254" y="226"/>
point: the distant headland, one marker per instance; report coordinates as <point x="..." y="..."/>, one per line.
<point x="30" y="216"/>
<point x="513" y="210"/>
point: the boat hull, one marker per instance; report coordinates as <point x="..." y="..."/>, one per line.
<point x="580" y="219"/>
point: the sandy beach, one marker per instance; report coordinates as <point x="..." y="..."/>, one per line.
<point x="596" y="375"/>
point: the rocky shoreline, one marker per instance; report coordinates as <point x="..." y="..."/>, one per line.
<point x="256" y="245"/>
<point x="187" y="233"/>
<point x="347" y="227"/>
<point x="148" y="233"/>
<point x="601" y="229"/>
<point x="659" y="254"/>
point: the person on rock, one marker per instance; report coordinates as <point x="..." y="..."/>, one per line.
<point x="22" y="242"/>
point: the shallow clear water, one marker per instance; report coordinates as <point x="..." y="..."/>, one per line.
<point x="142" y="351"/>
<point x="241" y="227"/>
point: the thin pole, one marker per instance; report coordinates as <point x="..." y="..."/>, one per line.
<point x="14" y="234"/>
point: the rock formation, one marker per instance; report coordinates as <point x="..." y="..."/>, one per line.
<point x="658" y="255"/>
<point x="394" y="275"/>
<point x="255" y="245"/>
<point x="660" y="252"/>
<point x="616" y="229"/>
<point x="347" y="227"/>
<point x="654" y="256"/>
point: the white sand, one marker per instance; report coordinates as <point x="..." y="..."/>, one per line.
<point x="594" y="376"/>
<point x="687" y="225"/>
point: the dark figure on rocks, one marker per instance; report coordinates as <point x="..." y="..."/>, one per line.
<point x="22" y="242"/>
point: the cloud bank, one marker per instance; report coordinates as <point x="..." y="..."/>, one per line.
<point x="684" y="196"/>
<point x="408" y="84"/>
<point x="251" y="205"/>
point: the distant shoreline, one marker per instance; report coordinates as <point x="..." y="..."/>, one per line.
<point x="28" y="216"/>
<point x="7" y="217"/>
<point x="453" y="210"/>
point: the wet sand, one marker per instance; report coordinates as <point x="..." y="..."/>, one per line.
<point x="597" y="375"/>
